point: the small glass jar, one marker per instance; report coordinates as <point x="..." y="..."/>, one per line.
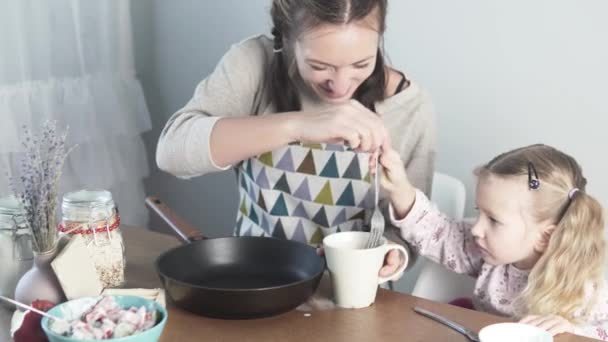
<point x="15" y="245"/>
<point x="93" y="214"/>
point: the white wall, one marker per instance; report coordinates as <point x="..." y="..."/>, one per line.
<point x="508" y="73"/>
<point x="177" y="43"/>
<point x="502" y="74"/>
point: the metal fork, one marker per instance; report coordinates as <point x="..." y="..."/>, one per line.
<point x="377" y="222"/>
<point x="471" y="335"/>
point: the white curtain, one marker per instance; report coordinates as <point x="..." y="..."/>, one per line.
<point x="72" y="61"/>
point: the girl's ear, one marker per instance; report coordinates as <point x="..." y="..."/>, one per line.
<point x="545" y="236"/>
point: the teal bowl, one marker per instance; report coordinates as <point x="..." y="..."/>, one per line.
<point x="73" y="308"/>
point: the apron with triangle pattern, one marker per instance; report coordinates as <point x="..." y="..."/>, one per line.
<point x="304" y="192"/>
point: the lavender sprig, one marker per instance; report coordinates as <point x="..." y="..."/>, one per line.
<point x="37" y="186"/>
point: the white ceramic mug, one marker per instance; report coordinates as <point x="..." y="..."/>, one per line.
<point x="354" y="269"/>
<point x="513" y="332"/>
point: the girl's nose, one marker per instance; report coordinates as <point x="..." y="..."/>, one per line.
<point x="477" y="230"/>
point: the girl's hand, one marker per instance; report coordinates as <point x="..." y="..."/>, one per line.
<point x="554" y="324"/>
<point x="395" y="183"/>
<point x="350" y="122"/>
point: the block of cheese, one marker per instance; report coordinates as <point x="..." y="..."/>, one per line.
<point x="76" y="271"/>
<point x="157" y="295"/>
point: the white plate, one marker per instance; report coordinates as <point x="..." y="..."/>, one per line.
<point x="513" y="332"/>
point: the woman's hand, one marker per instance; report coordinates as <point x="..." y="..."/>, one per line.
<point x="554" y="324"/>
<point x="350" y="122"/>
<point x="395" y="183"/>
<point x="392" y="262"/>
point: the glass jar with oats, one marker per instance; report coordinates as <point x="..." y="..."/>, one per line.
<point x="16" y="254"/>
<point x="93" y="214"/>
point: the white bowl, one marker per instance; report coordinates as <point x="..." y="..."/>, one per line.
<point x="513" y="332"/>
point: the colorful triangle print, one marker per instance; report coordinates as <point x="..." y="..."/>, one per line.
<point x="360" y="215"/>
<point x="313" y="146"/>
<point x="308" y="165"/>
<point x="299" y="234"/>
<point x="341" y="218"/>
<point x="325" y="196"/>
<point x="265" y="225"/>
<point x="279" y="231"/>
<point x="244" y="183"/>
<point x="243" y="208"/>
<point x="239" y="224"/>
<point x="261" y="202"/>
<point x="282" y="185"/>
<point x="303" y="192"/>
<point x="247" y="231"/>
<point x="249" y="169"/>
<point x="367" y="178"/>
<point x="348" y="196"/>
<point x="368" y="200"/>
<point x="353" y="170"/>
<point x="317" y="237"/>
<point x="300" y="211"/>
<point x="286" y="163"/>
<point x="266" y="158"/>
<point x="280" y="208"/>
<point x="331" y="168"/>
<point x="321" y="218"/>
<point x="251" y="191"/>
<point x="253" y="216"/>
<point x="262" y="180"/>
<point x="334" y="147"/>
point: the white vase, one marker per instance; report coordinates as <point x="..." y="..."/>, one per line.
<point x="40" y="282"/>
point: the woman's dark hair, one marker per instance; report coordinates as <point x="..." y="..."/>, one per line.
<point x="291" y="17"/>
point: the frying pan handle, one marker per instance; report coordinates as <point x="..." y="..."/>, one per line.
<point x="183" y="230"/>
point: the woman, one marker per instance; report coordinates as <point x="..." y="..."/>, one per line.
<point x="300" y="117"/>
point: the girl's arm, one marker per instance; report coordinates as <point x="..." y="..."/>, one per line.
<point x="596" y="323"/>
<point x="438" y="237"/>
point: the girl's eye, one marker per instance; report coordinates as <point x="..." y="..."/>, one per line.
<point x="493" y="221"/>
<point x="361" y="66"/>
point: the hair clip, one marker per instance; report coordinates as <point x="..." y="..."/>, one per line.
<point x="533" y="182"/>
<point x="573" y="193"/>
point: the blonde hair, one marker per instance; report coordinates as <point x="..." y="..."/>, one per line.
<point x="574" y="257"/>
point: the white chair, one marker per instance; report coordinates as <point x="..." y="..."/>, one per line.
<point x="431" y="280"/>
<point x="436" y="282"/>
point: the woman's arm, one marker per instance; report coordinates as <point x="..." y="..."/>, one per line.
<point x="218" y="127"/>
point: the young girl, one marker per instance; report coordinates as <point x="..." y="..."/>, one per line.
<point x="537" y="248"/>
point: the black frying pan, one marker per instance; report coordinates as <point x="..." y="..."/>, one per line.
<point x="235" y="277"/>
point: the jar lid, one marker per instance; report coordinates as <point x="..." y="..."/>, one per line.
<point x="10" y="205"/>
<point x="12" y="214"/>
<point x="88" y="198"/>
<point x="83" y="205"/>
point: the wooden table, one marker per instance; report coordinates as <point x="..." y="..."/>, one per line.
<point x="390" y="319"/>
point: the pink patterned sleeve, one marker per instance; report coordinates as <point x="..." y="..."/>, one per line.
<point x="438" y="237"/>
<point x="596" y="324"/>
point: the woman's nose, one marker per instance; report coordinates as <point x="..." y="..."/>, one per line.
<point x="339" y="83"/>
